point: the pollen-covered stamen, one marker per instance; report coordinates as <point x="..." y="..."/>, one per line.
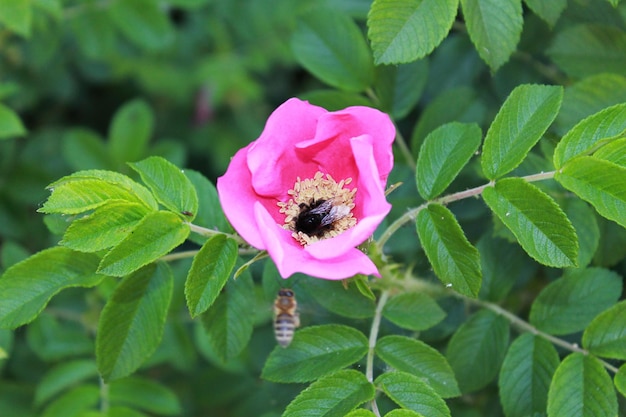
<point x="319" y="208"/>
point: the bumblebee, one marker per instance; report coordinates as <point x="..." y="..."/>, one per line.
<point x="318" y="217"/>
<point x="286" y="317"/>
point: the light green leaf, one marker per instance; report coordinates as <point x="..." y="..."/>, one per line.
<point x="588" y="49"/>
<point x="413" y="393"/>
<point x="443" y="154"/>
<point x="10" y="123"/>
<point x="132" y="321"/>
<point x="107" y="226"/>
<point x="74" y="403"/>
<point x="568" y="304"/>
<point x="361" y="412"/>
<point x="315" y="351"/>
<point x="614" y="151"/>
<point x="419" y="359"/>
<point x="16" y="15"/>
<point x="620" y="380"/>
<point x="537" y="222"/>
<point x="209" y="272"/>
<point x="85" y="149"/>
<point x="169" y="184"/>
<point x="522" y="120"/>
<point x="143" y="22"/>
<point x="548" y="11"/>
<point x="581" y="387"/>
<point x="406" y="30"/>
<point x="413" y="311"/>
<point x="455" y="261"/>
<point x="347" y="302"/>
<point x="587" y="134"/>
<point x="332" y="395"/>
<point x="526" y="374"/>
<point x="477" y="349"/>
<point x="130" y="130"/>
<point x="494" y="27"/>
<point x="399" y="412"/>
<point x="330" y="45"/>
<point x="26" y="287"/>
<point x="63" y="376"/>
<point x="606" y="335"/>
<point x="599" y="182"/>
<point x="229" y="321"/>
<point x="156" y="235"/>
<point x="145" y="394"/>
<point x="399" y="87"/>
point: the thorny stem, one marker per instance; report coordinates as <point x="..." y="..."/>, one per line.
<point x="369" y="367"/>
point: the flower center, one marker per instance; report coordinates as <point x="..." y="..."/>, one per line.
<point x="319" y="208"/>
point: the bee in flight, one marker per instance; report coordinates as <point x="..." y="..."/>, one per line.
<point x="286" y="318"/>
<point x="317" y="218"/>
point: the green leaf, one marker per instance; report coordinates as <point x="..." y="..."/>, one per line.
<point x="398" y="412"/>
<point x="548" y="11"/>
<point x="443" y="154"/>
<point x="332" y="395"/>
<point x="522" y="120"/>
<point x="413" y="311"/>
<point x="315" y="351"/>
<point x="156" y="235"/>
<point x="606" y="335"/>
<point x="581" y="387"/>
<point x="455" y="261"/>
<point x="209" y="272"/>
<point x="585" y="222"/>
<point x="330" y="45"/>
<point x="361" y="412"/>
<point x="588" y="49"/>
<point x="210" y="213"/>
<point x="146" y="395"/>
<point x="587" y="134"/>
<point x="477" y="349"/>
<point x="419" y="359"/>
<point x="130" y="130"/>
<point x="601" y="183"/>
<point x="74" y="403"/>
<point x="620" y="380"/>
<point x="26" y="287"/>
<point x="132" y="321"/>
<point x="526" y="374"/>
<point x="16" y="15"/>
<point x="53" y="339"/>
<point x="98" y="34"/>
<point x="413" y="393"/>
<point x="406" y="30"/>
<point x="614" y="151"/>
<point x="347" y="302"/>
<point x="10" y="123"/>
<point x="399" y="87"/>
<point x="63" y="376"/>
<point x="538" y="223"/>
<point x="85" y="149"/>
<point x="87" y="190"/>
<point x="494" y="27"/>
<point x="229" y="321"/>
<point x="169" y="184"/>
<point x="143" y="22"/>
<point x="107" y="226"/>
<point x="569" y="304"/>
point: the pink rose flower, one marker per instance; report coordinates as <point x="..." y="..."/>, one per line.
<point x="310" y="189"/>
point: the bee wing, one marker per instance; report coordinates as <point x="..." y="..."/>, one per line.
<point x="335" y="213"/>
<point x="323" y="208"/>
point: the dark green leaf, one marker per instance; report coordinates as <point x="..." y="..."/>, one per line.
<point x="169" y="184"/>
<point x="143" y="22"/>
<point x="330" y="45"/>
<point x="146" y="395"/>
<point x="477" y="349"/>
<point x="443" y="154"/>
<point x="333" y="100"/>
<point x="74" y="403"/>
<point x="54" y="339"/>
<point x="209" y="272"/>
<point x="599" y="182"/>
<point x="587" y="134"/>
<point x="620" y="380"/>
<point x="538" y="223"/>
<point x="130" y="131"/>
<point x="62" y="377"/>
<point x="569" y="304"/>
<point x="419" y="359"/>
<point x="585" y="222"/>
<point x="399" y="87"/>
<point x="549" y="11"/>
<point x="229" y="321"/>
<point x="413" y="393"/>
<point x="10" y="123"/>
<point x="606" y="335"/>
<point x="85" y="149"/>
<point x="332" y="395"/>
<point x="455" y="261"/>
<point x="26" y="287"/>
<point x="526" y="374"/>
<point x="494" y="27"/>
<point x="347" y="302"/>
<point x="210" y="213"/>
<point x="406" y="30"/>
<point x="413" y="311"/>
<point x="522" y="120"/>
<point x="156" y="235"/>
<point x="315" y="351"/>
<point x="98" y="34"/>
<point x="16" y="15"/>
<point x="131" y="324"/>
<point x="581" y="387"/>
